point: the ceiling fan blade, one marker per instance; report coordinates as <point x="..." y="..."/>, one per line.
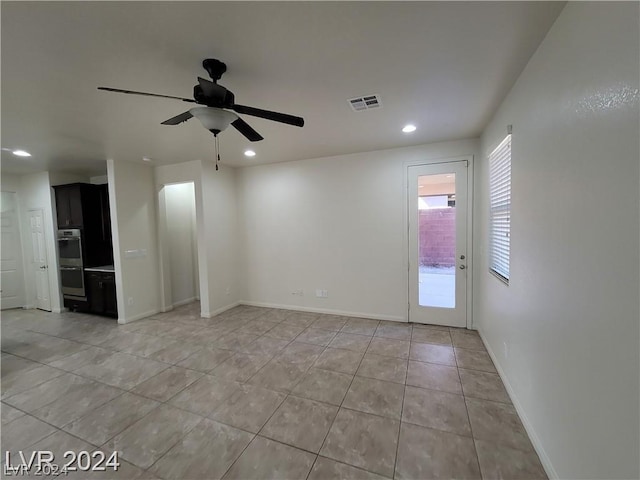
<point x="212" y="90"/>
<point x="183" y="117"/>
<point x="269" y="115"/>
<point x="245" y="129"/>
<point x="133" y="92"/>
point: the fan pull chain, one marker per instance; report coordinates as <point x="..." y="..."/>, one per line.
<point x="217" y="151"/>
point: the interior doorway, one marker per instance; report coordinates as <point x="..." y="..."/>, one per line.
<point x="179" y="244"/>
<point x="438" y="243"/>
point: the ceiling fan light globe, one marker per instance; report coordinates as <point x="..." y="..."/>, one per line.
<point x="213" y="118"/>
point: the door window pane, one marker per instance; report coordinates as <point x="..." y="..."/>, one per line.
<point x="437" y="240"/>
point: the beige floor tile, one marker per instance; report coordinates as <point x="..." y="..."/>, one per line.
<point x="144" y="442"/>
<point x="103" y="423"/>
<point x="498" y="423"/>
<point x="467" y="339"/>
<point x="24" y="432"/>
<point x="240" y="367"/>
<point x="360" y="326"/>
<point x="474" y="360"/>
<point x="339" y="360"/>
<point x="430" y="335"/>
<point x="383" y="368"/>
<point x="206" y="452"/>
<point x="330" y="322"/>
<point x="300" y="353"/>
<point x="395" y="330"/>
<point x="316" y="336"/>
<point x="363" y="440"/>
<point x="350" y="341"/>
<point x="167" y="383"/>
<point x="301" y="423"/>
<point x="248" y="408"/>
<point x="427" y="453"/>
<point x="504" y="463"/>
<point x="389" y="347"/>
<point x="325" y="469"/>
<point x="430" y="375"/>
<point x="265" y="458"/>
<point x="205" y="395"/>
<point x="487" y="386"/>
<point x="375" y="396"/>
<point x="285" y="331"/>
<point x="279" y="376"/>
<point x="76" y="403"/>
<point x="435" y="409"/>
<point x="205" y="359"/>
<point x="8" y="413"/>
<point x="430" y="353"/>
<point x="324" y="386"/>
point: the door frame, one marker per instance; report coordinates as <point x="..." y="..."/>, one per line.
<point x="469" y="264"/>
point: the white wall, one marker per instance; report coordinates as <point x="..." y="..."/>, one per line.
<point x="221" y="237"/>
<point x="336" y="224"/>
<point x="182" y="243"/>
<point x="133" y="221"/>
<point x="569" y="318"/>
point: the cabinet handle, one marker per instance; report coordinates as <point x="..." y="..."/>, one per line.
<point x="100" y="284"/>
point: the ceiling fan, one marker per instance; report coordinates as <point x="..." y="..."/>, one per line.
<point x="215" y="115"/>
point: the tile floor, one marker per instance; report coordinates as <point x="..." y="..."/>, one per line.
<point x="259" y="393"/>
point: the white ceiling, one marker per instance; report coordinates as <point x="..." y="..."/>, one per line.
<point x="444" y="66"/>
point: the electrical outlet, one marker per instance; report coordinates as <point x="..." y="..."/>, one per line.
<point x="321" y="293"/>
<point x="298" y="292"/>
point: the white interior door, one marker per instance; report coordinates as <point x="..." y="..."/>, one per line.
<point x="12" y="272"/>
<point x="38" y="262"/>
<point x="437" y="207"/>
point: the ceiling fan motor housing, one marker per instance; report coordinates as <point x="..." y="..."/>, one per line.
<point x="215" y="68"/>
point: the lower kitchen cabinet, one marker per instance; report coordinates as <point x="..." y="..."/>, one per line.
<point x="101" y="293"/>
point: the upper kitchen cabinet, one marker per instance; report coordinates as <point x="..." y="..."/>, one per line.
<point x="76" y="204"/>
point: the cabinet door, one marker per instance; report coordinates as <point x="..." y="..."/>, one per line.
<point x="109" y="292"/>
<point x="75" y="206"/>
<point x="95" y="292"/>
<point x="63" y="213"/>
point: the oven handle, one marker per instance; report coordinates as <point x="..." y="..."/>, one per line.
<point x="70" y="268"/>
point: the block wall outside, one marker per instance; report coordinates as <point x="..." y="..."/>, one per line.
<point x="437" y="237"/>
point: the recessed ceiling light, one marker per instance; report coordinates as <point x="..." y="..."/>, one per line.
<point x="147" y="159"/>
<point x="409" y="128"/>
<point x="21" y="153"/>
<point x="249" y="153"/>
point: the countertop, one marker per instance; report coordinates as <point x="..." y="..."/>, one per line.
<point x="103" y="268"/>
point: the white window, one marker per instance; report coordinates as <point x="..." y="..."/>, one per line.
<point x="500" y="209"/>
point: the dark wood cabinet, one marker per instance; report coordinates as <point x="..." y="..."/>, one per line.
<point x="86" y="206"/>
<point x="101" y="293"/>
<point x="76" y="204"/>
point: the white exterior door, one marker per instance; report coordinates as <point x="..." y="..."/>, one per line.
<point x="12" y="270"/>
<point x="438" y="243"/>
<point x="38" y="263"/>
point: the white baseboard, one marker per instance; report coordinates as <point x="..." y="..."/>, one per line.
<point x="123" y="321"/>
<point x="219" y="310"/>
<point x="325" y="311"/>
<point x="184" y="302"/>
<point x="59" y="310"/>
<point x="535" y="440"/>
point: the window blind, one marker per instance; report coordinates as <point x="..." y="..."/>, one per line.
<point x="500" y="209"/>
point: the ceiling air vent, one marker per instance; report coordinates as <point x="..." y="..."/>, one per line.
<point x="366" y="102"/>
